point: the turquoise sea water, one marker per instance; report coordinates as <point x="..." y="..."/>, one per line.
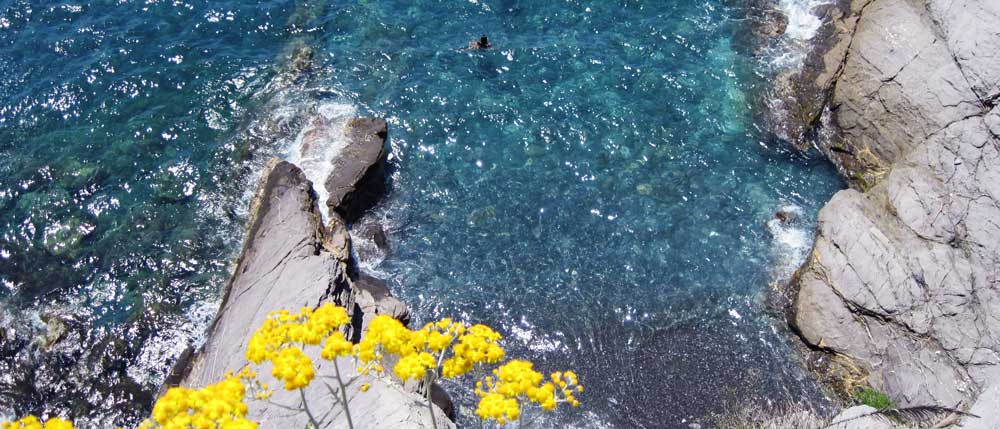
<point x="595" y="186"/>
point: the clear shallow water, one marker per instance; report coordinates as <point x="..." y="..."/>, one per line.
<point x="595" y="186"/>
<point x="120" y="188"/>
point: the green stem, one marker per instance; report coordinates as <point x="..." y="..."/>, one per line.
<point x="343" y="394"/>
<point x="430" y="404"/>
<point x="520" y="420"/>
<point x="305" y="405"/>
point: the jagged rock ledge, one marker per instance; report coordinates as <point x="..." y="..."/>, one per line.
<point x="902" y="288"/>
<point x="290" y="260"/>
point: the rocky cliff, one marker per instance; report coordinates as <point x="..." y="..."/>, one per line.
<point x="902" y="288"/>
<point x="291" y="259"/>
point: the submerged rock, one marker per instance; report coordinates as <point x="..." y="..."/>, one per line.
<point x="644" y="189"/>
<point x="788" y="214"/>
<point x="370" y="243"/>
<point x="56" y="327"/>
<point x="765" y="22"/>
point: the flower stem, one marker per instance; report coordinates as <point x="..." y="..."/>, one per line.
<point x="430" y="404"/>
<point x="305" y="406"/>
<point x="343" y="394"/>
<point x="520" y="421"/>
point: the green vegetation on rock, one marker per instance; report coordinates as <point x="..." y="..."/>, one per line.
<point x="875" y="399"/>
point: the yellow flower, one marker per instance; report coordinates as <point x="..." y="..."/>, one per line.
<point x="414" y="366"/>
<point x="32" y="422"/>
<point x="518" y="381"/>
<point x="218" y="405"/>
<point x="282" y="329"/>
<point x="477" y="345"/>
<point x="283" y="334"/>
<point x="385" y="335"/>
<point x="498" y="407"/>
<point x="293" y="367"/>
<point x="365" y="387"/>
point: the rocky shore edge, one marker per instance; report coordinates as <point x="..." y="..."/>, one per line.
<point x="901" y="291"/>
<point x="291" y="259"/>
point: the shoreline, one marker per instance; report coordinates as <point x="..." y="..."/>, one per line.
<point x="874" y="303"/>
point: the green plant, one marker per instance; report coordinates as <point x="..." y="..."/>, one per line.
<point x="873" y="398"/>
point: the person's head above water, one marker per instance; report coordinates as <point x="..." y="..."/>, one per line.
<point x="482" y="43"/>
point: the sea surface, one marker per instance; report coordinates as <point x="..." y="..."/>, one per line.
<point x="597" y="186"/>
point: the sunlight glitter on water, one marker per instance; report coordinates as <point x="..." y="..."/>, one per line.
<point x="594" y="187"/>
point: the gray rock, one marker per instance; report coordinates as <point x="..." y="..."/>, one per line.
<point x="800" y="96"/>
<point x="987" y="408"/>
<point x="902" y="284"/>
<point x="287" y="262"/>
<point x="851" y="419"/>
<point x="765" y="22"/>
<point x="371" y="244"/>
<point x="970" y="30"/>
<point x="357" y="179"/>
<point x="899" y="85"/>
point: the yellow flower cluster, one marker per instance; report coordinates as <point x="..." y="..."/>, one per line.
<point x="568" y="385"/>
<point x="515" y="383"/>
<point x="477" y="346"/>
<point x="257" y="389"/>
<point x="278" y="340"/>
<point x="423" y="350"/>
<point x="385" y="335"/>
<point x="498" y="407"/>
<point x="444" y="348"/>
<point x="293" y="367"/>
<point x="414" y="366"/>
<point x="32" y="422"/>
<point x="336" y="345"/>
<point x="218" y="406"/>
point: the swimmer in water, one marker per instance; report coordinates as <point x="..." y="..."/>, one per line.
<point x="482" y="43"/>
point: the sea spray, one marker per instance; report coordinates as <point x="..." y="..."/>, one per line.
<point x="803" y="24"/>
<point x="318" y="143"/>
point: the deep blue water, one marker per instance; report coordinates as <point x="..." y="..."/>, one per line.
<point x="596" y="187"/>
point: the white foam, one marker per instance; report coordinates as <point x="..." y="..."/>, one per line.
<point x="803" y="24"/>
<point x="318" y="142"/>
<point x="791" y="242"/>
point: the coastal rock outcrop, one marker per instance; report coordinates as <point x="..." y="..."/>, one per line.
<point x="356" y="181"/>
<point x="902" y="289"/>
<point x="290" y="259"/>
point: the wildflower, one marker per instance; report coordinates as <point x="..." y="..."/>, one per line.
<point x="293" y="367"/>
<point x="518" y="381"/>
<point x="385" y="335"/>
<point x="414" y="366"/>
<point x="336" y="345"/>
<point x="498" y="407"/>
<point x="476" y="346"/>
<point x="32" y="422"/>
<point x="365" y="387"/>
<point x="283" y="334"/>
<point x="219" y="405"/>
